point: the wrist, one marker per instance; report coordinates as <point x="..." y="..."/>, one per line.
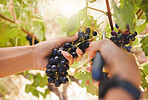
<point x="34" y="60"/>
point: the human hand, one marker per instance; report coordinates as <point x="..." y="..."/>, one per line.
<point x="44" y="49"/>
<point x="118" y="61"/>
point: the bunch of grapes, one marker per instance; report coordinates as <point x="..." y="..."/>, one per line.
<point x="58" y="64"/>
<point x="122" y="38"/>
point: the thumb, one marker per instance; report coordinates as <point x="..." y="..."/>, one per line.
<point x="72" y="38"/>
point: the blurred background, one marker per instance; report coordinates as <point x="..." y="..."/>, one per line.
<point x="45" y="19"/>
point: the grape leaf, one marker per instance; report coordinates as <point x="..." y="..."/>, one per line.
<point x="145" y="69"/>
<point x="7" y="33"/>
<point x="144" y="7"/>
<point x="73" y="23"/>
<point x="86" y="77"/>
<point x="124" y="14"/>
<point x="144" y="45"/>
<point x="4" y="2"/>
<point x="62" y="21"/>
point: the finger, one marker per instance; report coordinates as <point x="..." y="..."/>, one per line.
<point x="68" y="57"/>
<point x="79" y="53"/>
<point x="96" y="83"/>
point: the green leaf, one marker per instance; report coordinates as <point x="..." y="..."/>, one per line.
<point x="87" y="82"/>
<point x="88" y="21"/>
<point x="90" y="1"/>
<point x="145" y="69"/>
<point x="16" y="8"/>
<point x="7" y="33"/>
<point x="62" y="21"/>
<point x="4" y="2"/>
<point x="140" y="25"/>
<point x="144" y="45"/>
<point x="144" y="7"/>
<point x="73" y="23"/>
<point x="124" y="14"/>
<point x="27" y="88"/>
<point x="75" y="65"/>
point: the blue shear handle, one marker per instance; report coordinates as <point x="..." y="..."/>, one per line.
<point x="97" y="67"/>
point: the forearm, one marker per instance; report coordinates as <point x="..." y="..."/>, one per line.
<point x="16" y="59"/>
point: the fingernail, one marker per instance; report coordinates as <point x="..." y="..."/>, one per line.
<point x="65" y="53"/>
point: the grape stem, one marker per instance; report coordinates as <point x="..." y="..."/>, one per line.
<point x="97" y="10"/>
<point x="109" y="15"/>
<point x="30" y="34"/>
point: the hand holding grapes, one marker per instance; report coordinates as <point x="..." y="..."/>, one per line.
<point x="44" y="49"/>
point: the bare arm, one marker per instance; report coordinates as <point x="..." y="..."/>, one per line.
<point x="18" y="59"/>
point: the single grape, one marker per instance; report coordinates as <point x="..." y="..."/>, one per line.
<point x="73" y="48"/>
<point x="86" y="43"/>
<point x="64" y="59"/>
<point x="54" y="68"/>
<point x="86" y="36"/>
<point x="74" y="54"/>
<point x="59" y="53"/>
<point x="48" y="72"/>
<point x="88" y="30"/>
<point x="57" y="83"/>
<point x="50" y="80"/>
<point x="94" y="33"/>
<point x="116" y="25"/>
<point x="56" y="59"/>
<point x="51" y="61"/>
<point x="81" y="33"/>
<point x="113" y="33"/>
<point x="67" y="45"/>
<point x="63" y="63"/>
<point x="135" y="33"/>
<point x="64" y="80"/>
<point x="48" y="66"/>
<point x="127" y="26"/>
<point x="61" y="69"/>
<point x="54" y="52"/>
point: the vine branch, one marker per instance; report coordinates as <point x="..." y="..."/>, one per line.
<point x="97" y="10"/>
<point x="30" y="34"/>
<point x="109" y="15"/>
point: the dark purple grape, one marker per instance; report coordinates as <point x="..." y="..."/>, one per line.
<point x="67" y="67"/>
<point x="54" y="68"/>
<point x="73" y="48"/>
<point x="50" y="80"/>
<point x="61" y="69"/>
<point x="51" y="61"/>
<point x="57" y="83"/>
<point x="48" y="72"/>
<point x="119" y="33"/>
<point x="81" y="33"/>
<point x="48" y="66"/>
<point x="86" y="36"/>
<point x="59" y="53"/>
<point x="74" y="54"/>
<point x="127" y="26"/>
<point x="135" y="33"/>
<point x="54" y="52"/>
<point x="88" y="30"/>
<point x="116" y="25"/>
<point x="67" y="45"/>
<point x="62" y="63"/>
<point x="64" y="80"/>
<point x="113" y="33"/>
<point x="56" y="59"/>
<point x="94" y="33"/>
<point x="133" y="38"/>
<point x="86" y="43"/>
<point x="64" y="59"/>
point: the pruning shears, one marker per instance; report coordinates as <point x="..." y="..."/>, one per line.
<point x="98" y="63"/>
